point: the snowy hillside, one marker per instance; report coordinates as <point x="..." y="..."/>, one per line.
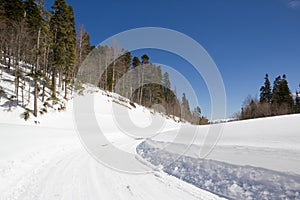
<point x="47" y="160"/>
<point x="13" y="108"/>
<point x="253" y="159"/>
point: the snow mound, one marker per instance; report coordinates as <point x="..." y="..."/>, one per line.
<point x="224" y="179"/>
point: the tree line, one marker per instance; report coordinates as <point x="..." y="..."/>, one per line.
<point x="44" y="52"/>
<point x="116" y="70"/>
<point x="40" y="47"/>
<point x="274" y="100"/>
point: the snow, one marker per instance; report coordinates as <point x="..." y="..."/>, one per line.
<point x="253" y="159"/>
<point x="224" y="179"/>
<point x="46" y="160"/>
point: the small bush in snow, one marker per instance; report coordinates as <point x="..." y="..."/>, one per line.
<point x="43" y="111"/>
<point x="26" y="114"/>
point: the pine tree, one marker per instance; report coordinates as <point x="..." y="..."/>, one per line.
<point x="35" y="25"/>
<point x="276" y="97"/>
<point x="157" y="91"/>
<point x="287" y="98"/>
<point x="136" y="61"/>
<point x="166" y="81"/>
<point x="59" y="28"/>
<point x="265" y="91"/>
<point x="70" y="47"/>
<point x="166" y="90"/>
<point x="33" y="15"/>
<point x="186" y="111"/>
<point x="14" y="10"/>
<point x="282" y="100"/>
<point x="297" y="102"/>
<point x="197" y="115"/>
<point x="14" y="14"/>
<point x="145" y="59"/>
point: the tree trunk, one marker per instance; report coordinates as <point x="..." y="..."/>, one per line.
<point x="23" y="85"/>
<point x="35" y="109"/>
<point x="66" y="90"/>
<point x="17" y="89"/>
<point x="43" y="94"/>
<point x="54" y="82"/>
<point x="141" y="85"/>
<point x="29" y="90"/>
<point x="35" y="104"/>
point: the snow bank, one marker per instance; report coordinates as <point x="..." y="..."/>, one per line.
<point x="224" y="179"/>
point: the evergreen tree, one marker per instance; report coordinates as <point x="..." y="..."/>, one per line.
<point x="145" y="59"/>
<point x="13" y="10"/>
<point x="166" y="81"/>
<point x="265" y="91"/>
<point x="282" y="100"/>
<point x="197" y="115"/>
<point x="286" y="94"/>
<point x="186" y="111"/>
<point x="157" y="88"/>
<point x="35" y="25"/>
<point x="59" y="25"/>
<point x="70" y="47"/>
<point x="33" y="15"/>
<point x="136" y="61"/>
<point x="276" y="97"/>
<point x="297" y="102"/>
<point x="166" y="89"/>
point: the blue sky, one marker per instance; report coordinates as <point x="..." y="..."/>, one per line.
<point x="246" y="39"/>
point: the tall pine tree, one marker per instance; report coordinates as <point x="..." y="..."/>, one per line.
<point x="71" y="49"/>
<point x="265" y="91"/>
<point x="63" y="44"/>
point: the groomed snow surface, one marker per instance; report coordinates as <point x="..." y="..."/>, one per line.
<point x="46" y="160"/>
<point x="255" y="159"/>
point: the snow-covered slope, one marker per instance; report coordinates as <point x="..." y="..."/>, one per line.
<point x="271" y="143"/>
<point x="12" y="111"/>
<point x="253" y="159"/>
<point x="47" y="161"/>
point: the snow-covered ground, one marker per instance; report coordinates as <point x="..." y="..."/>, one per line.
<point x="253" y="159"/>
<point x="48" y="161"/>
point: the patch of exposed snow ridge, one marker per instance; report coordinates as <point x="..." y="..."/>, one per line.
<point x="224" y="179"/>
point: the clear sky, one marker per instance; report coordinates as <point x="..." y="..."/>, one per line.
<point x="245" y="38"/>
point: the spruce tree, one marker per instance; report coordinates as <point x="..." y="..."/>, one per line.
<point x="186" y="111"/>
<point x="70" y="47"/>
<point x="286" y="94"/>
<point x="297" y="102"/>
<point x="157" y="88"/>
<point x="33" y="15"/>
<point x="166" y="89"/>
<point x="136" y="61"/>
<point x="166" y="81"/>
<point x="13" y="10"/>
<point x="265" y="91"/>
<point x="282" y="100"/>
<point x="276" y="97"/>
<point x="59" y="29"/>
<point x="145" y="59"/>
<point x="197" y="115"/>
